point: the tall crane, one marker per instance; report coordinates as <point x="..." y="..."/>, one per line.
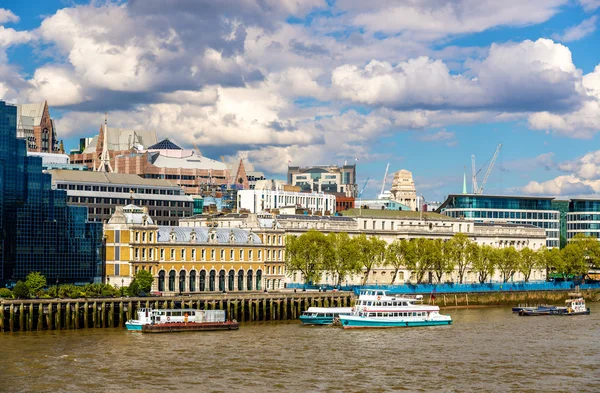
<point x="478" y="189"/>
<point x="363" y="187"/>
<point x="384" y="178"/>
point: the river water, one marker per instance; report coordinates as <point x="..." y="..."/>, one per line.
<point x="485" y="350"/>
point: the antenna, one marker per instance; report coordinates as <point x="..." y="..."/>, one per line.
<point x="384" y="178"/>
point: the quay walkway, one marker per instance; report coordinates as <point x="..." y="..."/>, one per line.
<point x="50" y="314"/>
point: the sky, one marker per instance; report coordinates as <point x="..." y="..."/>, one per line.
<point x="420" y="85"/>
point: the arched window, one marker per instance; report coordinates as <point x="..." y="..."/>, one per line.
<point x="202" y="285"/>
<point x="182" y="281"/>
<point x="230" y="280"/>
<point x="211" y="281"/>
<point x="240" y="280"/>
<point x="172" y="281"/>
<point x="258" y="280"/>
<point x="249" y="280"/>
<point x="161" y="281"/>
<point x="221" y="280"/>
<point x="192" y="281"/>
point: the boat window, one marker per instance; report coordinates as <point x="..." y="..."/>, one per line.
<point x="369" y="303"/>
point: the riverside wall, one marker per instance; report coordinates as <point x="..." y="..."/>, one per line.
<point x="58" y="314"/>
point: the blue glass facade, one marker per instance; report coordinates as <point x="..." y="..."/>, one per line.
<point x="495" y="202"/>
<point x="39" y="232"/>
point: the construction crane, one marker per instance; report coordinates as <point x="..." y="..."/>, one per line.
<point x="196" y="146"/>
<point x="384" y="178"/>
<point x="363" y="187"/>
<point x="478" y="189"/>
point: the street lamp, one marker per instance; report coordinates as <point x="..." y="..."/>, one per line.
<point x="57" y="287"/>
<point x="122" y="283"/>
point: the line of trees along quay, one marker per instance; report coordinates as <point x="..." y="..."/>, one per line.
<point x="314" y="253"/>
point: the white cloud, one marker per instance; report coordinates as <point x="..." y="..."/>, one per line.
<point x="589" y="5"/>
<point x="585" y="28"/>
<point x="521" y="77"/>
<point x="7" y="16"/>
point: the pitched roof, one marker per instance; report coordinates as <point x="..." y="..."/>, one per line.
<point x="106" y="177"/>
<point x="165" y="144"/>
<point x="124" y="139"/>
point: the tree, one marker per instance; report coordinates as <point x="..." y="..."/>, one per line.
<point x="5" y="293"/>
<point x="457" y="252"/>
<point x="371" y="253"/>
<point x="437" y="259"/>
<point x="483" y="261"/>
<point x="508" y="262"/>
<point x="144" y="279"/>
<point x="36" y="281"/>
<point x="344" y="256"/>
<point x="589" y="248"/>
<point x="551" y="260"/>
<point x="133" y="289"/>
<point x="574" y="259"/>
<point x="528" y="261"/>
<point x="306" y="253"/>
<point x="446" y="263"/>
<point x="397" y="255"/>
<point x="21" y="290"/>
<point x="421" y="260"/>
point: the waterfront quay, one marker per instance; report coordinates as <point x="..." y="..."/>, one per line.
<point x="56" y="314"/>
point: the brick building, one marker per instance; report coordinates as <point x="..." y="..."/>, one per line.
<point x="35" y="125"/>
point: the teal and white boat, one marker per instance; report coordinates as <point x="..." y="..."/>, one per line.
<point x="375" y="309"/>
<point x="323" y="315"/>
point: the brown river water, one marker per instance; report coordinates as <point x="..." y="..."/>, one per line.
<point x="485" y="350"/>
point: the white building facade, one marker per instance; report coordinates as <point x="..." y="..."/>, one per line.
<point x="258" y="201"/>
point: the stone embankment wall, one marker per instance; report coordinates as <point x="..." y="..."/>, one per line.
<point x="515" y="298"/>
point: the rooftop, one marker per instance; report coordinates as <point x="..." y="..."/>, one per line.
<point x="165" y="144"/>
<point x="395" y="214"/>
<point x="104" y="177"/>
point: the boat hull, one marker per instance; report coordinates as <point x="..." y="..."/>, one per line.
<point x="189" y="327"/>
<point x="363" y="323"/>
<point x="536" y="313"/>
<point x="316" y="320"/>
<point x="133" y="326"/>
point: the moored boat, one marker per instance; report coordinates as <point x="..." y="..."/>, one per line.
<point x="184" y="320"/>
<point x="574" y="305"/>
<point x="323" y="315"/>
<point x="375" y="309"/>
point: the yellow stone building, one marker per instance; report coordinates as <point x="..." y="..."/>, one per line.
<point x="191" y="259"/>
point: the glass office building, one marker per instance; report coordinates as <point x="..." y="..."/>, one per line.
<point x="38" y="231"/>
<point x="583" y="217"/>
<point x="537" y="211"/>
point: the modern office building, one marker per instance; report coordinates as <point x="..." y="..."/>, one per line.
<point x="57" y="161"/>
<point x="541" y="212"/>
<point x="191" y="259"/>
<point x="102" y="192"/>
<point x="257" y="201"/>
<point x="324" y="178"/>
<point x="583" y="217"/>
<point x="38" y="230"/>
<point x="37" y="128"/>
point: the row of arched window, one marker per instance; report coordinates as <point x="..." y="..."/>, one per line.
<point x="213" y="281"/>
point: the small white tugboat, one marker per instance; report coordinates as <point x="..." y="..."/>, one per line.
<point x="574" y="305"/>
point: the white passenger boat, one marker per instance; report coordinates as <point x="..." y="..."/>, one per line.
<point x="172" y="320"/>
<point x="323" y="315"/>
<point x="375" y="309"/>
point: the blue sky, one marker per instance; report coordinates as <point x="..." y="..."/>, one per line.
<point x="419" y="85"/>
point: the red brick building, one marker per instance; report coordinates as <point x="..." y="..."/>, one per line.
<point x="36" y="126"/>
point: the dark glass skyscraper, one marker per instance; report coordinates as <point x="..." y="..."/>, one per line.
<point x="38" y="231"/>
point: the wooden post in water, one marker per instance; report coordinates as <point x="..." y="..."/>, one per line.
<point x="58" y="316"/>
<point x="22" y="317"/>
<point x="68" y="316"/>
<point x="130" y="310"/>
<point x="243" y="311"/>
<point x="467" y="298"/>
<point x="1" y="318"/>
<point x="103" y="317"/>
<point x="11" y="318"/>
<point x="121" y="313"/>
<point x="40" y="323"/>
<point x="76" y="316"/>
<point x="30" y="317"/>
<point x="49" y="319"/>
<point x="264" y="302"/>
<point x="455" y="300"/>
<point x="86" y="309"/>
<point x="250" y="316"/>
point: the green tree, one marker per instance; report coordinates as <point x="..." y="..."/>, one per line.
<point x="438" y="261"/>
<point x="528" y="261"/>
<point x="343" y="257"/>
<point x="133" y="289"/>
<point x="457" y="252"/>
<point x="446" y="263"/>
<point x="21" y="290"/>
<point x="574" y="260"/>
<point x="306" y="253"/>
<point x="36" y="282"/>
<point x="371" y="253"/>
<point x="397" y="255"/>
<point x="144" y="279"/>
<point x="508" y="262"/>
<point x="421" y="260"/>
<point x="551" y="260"/>
<point x="5" y="293"/>
<point x="590" y="247"/>
<point x="483" y="261"/>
